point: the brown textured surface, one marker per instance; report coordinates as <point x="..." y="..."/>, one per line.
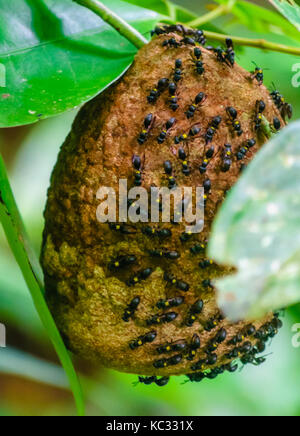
<point x="86" y="298"/>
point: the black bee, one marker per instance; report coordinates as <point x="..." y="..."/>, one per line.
<point x="203" y="166"/>
<point x="172" y="43"/>
<point x="162" y="319"/>
<point x="200" y="98"/>
<point x="168" y="167"/>
<point x="131" y="308"/>
<point x="276" y="123"/>
<point x="230" y="54"/>
<point x="180" y="345"/>
<point x="200" y="37"/>
<point x="171" y="182"/>
<point x="153" y="96"/>
<point x="188" y="41"/>
<point x="258" y="74"/>
<point x="122" y="262"/>
<point x="212" y="129"/>
<point x="162" y="136"/>
<point x="260" y="106"/>
<point x="198" y="248"/>
<point x="197" y="377"/>
<point x="236" y="125"/>
<point x="148" y="122"/>
<point x="178" y="70"/>
<point x="147" y="380"/>
<point x="142" y="340"/>
<point x="163" y="381"/>
<point x="258" y="121"/>
<point x="227" y="158"/>
<point x="195" y="309"/>
<point x="173" y="103"/>
<point x="140" y="276"/>
<point x="211" y="325"/>
<point x="157" y="31"/>
<point x="199" y="66"/>
<point x="171" y="302"/>
<point x="172" y="88"/>
<point x="205" y="263"/>
<point x="137" y="164"/>
<point x="194" y="131"/>
<point x="241" y="154"/>
<point x="221" y="55"/>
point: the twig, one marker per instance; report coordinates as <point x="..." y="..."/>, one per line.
<point x="216" y="13"/>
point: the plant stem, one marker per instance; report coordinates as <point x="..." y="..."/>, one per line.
<point x="115" y="21"/>
<point x="258" y="43"/>
<point x="217" y="12"/>
<point x="16" y="236"/>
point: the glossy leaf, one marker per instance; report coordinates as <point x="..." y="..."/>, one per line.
<point x="260" y="19"/>
<point x="289" y="9"/>
<point x="257" y="232"/>
<point x="58" y="54"/>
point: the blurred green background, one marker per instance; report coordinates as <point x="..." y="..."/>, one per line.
<point x="31" y="380"/>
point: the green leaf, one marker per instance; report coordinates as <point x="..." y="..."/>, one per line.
<point x="289" y="9"/>
<point x="58" y="54"/>
<point x="257" y="232"/>
<point x="18" y="241"/>
<point x="260" y="19"/>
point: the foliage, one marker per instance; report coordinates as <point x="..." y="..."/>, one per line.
<point x="257" y="232"/>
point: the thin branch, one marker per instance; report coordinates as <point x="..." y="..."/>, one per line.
<point x="16" y="236"/>
<point x="115" y="21"/>
<point x="258" y="43"/>
<point x="216" y="13"/>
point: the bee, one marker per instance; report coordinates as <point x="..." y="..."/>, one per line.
<point x="122" y="262"/>
<point x="212" y="129"/>
<point x="178" y="70"/>
<point x="258" y="74"/>
<point x="142" y="340"/>
<point x="140" y="276"/>
<point x="171" y="302"/>
<point x="148" y="123"/>
<point x="198" y="248"/>
<point x="131" y="309"/>
<point x="200" y="98"/>
<point x="236" y="125"/>
<point x="137" y="164"/>
<point x="180" y="345"/>
<point x="188" y="41"/>
<point x="162" y="319"/>
<point x="153" y="96"/>
<point x="230" y="54"/>
<point x="203" y="264"/>
<point x="227" y="158"/>
<point x="200" y="37"/>
<point x="172" y="88"/>
<point x="171" y="43"/>
<point x="276" y="123"/>
<point x="173" y="103"/>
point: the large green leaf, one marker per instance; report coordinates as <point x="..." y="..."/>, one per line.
<point x="260" y="19"/>
<point x="289" y="9"/>
<point x="258" y="232"/>
<point x="58" y="54"/>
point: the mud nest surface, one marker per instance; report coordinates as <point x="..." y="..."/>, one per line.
<point x="139" y="298"/>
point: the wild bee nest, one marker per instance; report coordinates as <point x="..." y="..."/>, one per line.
<point x="139" y="298"/>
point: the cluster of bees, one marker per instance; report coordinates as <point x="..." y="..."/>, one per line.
<point x="249" y="343"/>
